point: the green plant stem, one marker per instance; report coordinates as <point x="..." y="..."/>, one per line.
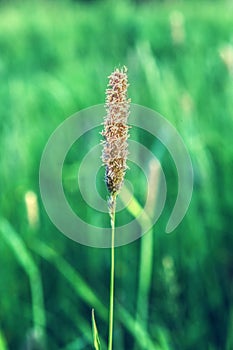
<point x="111" y="303"/>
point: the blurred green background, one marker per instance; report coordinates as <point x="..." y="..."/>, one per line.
<point x="172" y="291"/>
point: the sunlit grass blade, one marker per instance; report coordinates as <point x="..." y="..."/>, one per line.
<point x="146" y="261"/>
<point x="146" y="249"/>
<point x="24" y="258"/>
<point x="95" y="332"/>
<point x="3" y="345"/>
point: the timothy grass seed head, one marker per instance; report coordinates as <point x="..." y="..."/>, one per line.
<point x="115" y="133"/>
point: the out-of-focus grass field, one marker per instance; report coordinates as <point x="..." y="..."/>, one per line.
<point x="172" y="291"/>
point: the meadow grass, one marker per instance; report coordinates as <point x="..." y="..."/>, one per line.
<point x="172" y="291"/>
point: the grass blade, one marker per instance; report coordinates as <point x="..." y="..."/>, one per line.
<point x="95" y="332"/>
<point x="3" y="345"/>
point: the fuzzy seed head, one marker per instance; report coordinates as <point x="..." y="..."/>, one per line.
<point x="115" y="133"/>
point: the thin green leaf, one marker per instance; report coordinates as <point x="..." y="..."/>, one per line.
<point x="3" y="345"/>
<point x="95" y="332"/>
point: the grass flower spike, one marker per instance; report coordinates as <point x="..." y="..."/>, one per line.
<point x="115" y="131"/>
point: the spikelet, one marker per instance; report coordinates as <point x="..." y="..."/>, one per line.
<point x="115" y="133"/>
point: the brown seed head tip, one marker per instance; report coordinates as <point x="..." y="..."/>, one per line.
<point x="115" y="133"/>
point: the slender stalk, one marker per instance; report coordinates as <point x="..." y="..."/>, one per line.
<point x="111" y="302"/>
<point x="114" y="157"/>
